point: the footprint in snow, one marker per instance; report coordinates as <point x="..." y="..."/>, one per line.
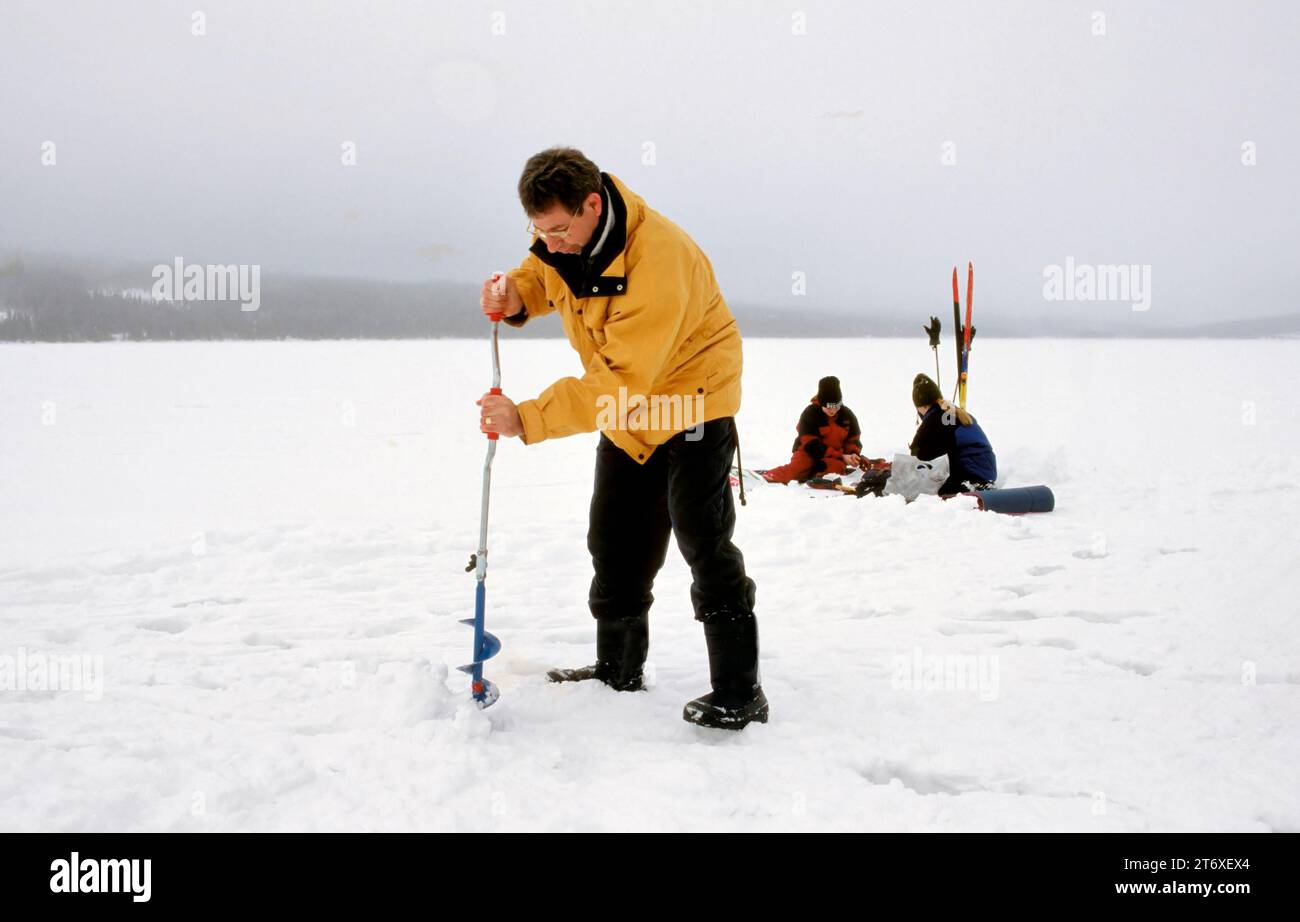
<point x="1106" y="617"/>
<point x="996" y="615"/>
<point x="265" y="640"/>
<point x="953" y="630"/>
<point x="1142" y="669"/>
<point x="216" y="600"/>
<point x="1018" y="591"/>
<point x="165" y="625"/>
<point x="861" y="613"/>
<point x="1056" y="643"/>
<point x="919" y="781"/>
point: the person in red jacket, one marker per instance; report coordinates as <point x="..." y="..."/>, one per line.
<point x="829" y="439"/>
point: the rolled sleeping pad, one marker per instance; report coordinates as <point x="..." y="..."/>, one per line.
<point x="1016" y="500"/>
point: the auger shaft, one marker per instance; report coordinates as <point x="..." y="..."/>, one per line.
<point x="485" y="644"/>
<point x="480" y="571"/>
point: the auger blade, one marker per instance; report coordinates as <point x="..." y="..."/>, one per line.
<point x="491" y="647"/>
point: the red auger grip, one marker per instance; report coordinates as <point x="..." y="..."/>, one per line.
<point x="493" y="435"/>
<point x="499" y="287"/>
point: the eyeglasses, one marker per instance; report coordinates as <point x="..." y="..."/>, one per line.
<point x="833" y="407"/>
<point x="561" y="234"/>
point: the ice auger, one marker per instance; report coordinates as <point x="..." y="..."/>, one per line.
<point x="486" y="645"/>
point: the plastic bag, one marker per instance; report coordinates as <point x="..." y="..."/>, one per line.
<point x="911" y="477"/>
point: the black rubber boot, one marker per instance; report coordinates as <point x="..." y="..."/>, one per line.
<point x="737" y="697"/>
<point x="621" y="648"/>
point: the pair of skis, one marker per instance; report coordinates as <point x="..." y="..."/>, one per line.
<point x="964" y="333"/>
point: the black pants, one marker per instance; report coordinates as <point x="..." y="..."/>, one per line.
<point x="683" y="490"/>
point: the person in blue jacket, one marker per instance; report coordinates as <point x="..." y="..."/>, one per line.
<point x="949" y="430"/>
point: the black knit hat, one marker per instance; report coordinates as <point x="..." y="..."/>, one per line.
<point x="925" y="391"/>
<point x="828" y="390"/>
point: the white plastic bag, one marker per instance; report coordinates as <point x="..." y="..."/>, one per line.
<point x="910" y="477"/>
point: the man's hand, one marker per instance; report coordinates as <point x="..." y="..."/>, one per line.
<point x="853" y="460"/>
<point x="509" y="302"/>
<point x="498" y="413"/>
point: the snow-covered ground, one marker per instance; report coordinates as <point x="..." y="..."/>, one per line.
<point x="263" y="546"/>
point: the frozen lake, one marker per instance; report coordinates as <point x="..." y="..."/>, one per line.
<point x="257" y="551"/>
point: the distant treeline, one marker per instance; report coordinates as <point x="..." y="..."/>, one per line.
<point x="54" y="300"/>
<point x="61" y="305"/>
<point x="60" y="302"/>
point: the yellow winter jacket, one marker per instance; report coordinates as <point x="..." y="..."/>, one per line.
<point x="659" y="346"/>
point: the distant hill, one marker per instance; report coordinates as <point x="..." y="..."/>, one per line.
<point x="65" y="300"/>
<point x="1285" y="326"/>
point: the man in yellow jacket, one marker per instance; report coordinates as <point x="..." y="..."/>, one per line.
<point x="661" y="360"/>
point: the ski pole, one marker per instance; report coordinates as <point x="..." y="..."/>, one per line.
<point x="933" y="329"/>
<point x="486" y="645"/>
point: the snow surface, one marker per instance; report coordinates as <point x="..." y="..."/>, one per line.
<point x="265" y="543"/>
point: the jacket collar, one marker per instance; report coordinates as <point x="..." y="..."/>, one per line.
<point x="597" y="241"/>
<point x="605" y="274"/>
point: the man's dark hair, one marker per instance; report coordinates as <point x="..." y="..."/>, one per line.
<point x="558" y="174"/>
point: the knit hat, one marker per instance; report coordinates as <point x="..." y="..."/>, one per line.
<point x="925" y="391"/>
<point x="828" y="390"/>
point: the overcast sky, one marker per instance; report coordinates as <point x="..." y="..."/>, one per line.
<point x="779" y="152"/>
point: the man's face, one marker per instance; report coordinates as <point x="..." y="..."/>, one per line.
<point x="580" y="228"/>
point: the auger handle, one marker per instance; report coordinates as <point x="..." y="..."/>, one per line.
<point x="499" y="287"/>
<point x="493" y="436"/>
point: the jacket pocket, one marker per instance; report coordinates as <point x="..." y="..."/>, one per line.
<point x="592" y="312"/>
